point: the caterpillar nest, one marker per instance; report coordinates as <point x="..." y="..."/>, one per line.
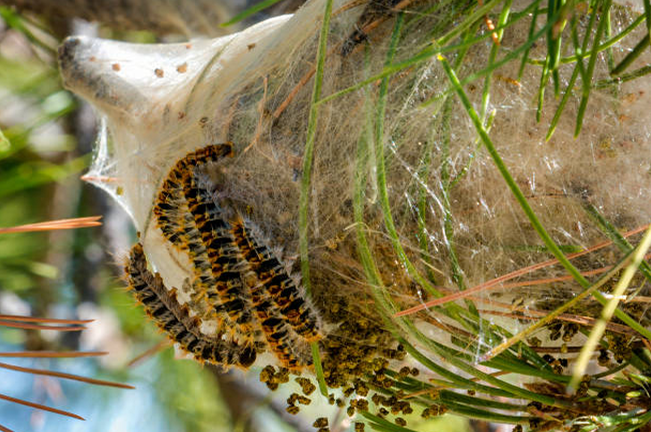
<point x="282" y="223"/>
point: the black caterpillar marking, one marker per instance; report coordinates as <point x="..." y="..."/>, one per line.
<point x="169" y="208"/>
<point x="281" y="344"/>
<point x="283" y="341"/>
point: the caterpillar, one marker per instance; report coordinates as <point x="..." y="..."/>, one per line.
<point x="274" y="279"/>
<point x="222" y="252"/>
<point x="182" y="232"/>
<point x="215" y="298"/>
<point x="169" y="205"/>
<point x="237" y="279"/>
<point x="281" y="344"/>
<point x="282" y="341"/>
<point x="174" y="319"/>
<point x="178" y="228"/>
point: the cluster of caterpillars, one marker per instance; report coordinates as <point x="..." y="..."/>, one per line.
<point x="237" y="280"/>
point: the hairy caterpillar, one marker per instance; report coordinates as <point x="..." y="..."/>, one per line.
<point x="237" y="278"/>
<point x="283" y="342"/>
<point x="273" y="277"/>
<point x="217" y="293"/>
<point x="222" y="252"/>
<point x="163" y="307"/>
<point x="169" y="208"/>
<point x="178" y="227"/>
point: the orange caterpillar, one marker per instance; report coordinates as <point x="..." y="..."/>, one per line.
<point x="178" y="227"/>
<point x="206" y="288"/>
<point x="169" y="209"/>
<point x="163" y="307"/>
<point x="282" y="344"/>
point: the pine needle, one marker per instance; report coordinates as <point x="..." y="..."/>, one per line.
<point x="149" y="352"/>
<point x="492" y="283"/>
<point x="52" y="354"/>
<point x="26" y="326"/>
<point x="43" y="320"/>
<point x="62" y="224"/>
<point x="41" y="407"/>
<point x="5" y="429"/>
<point x="64" y="376"/>
<point x="608" y="311"/>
